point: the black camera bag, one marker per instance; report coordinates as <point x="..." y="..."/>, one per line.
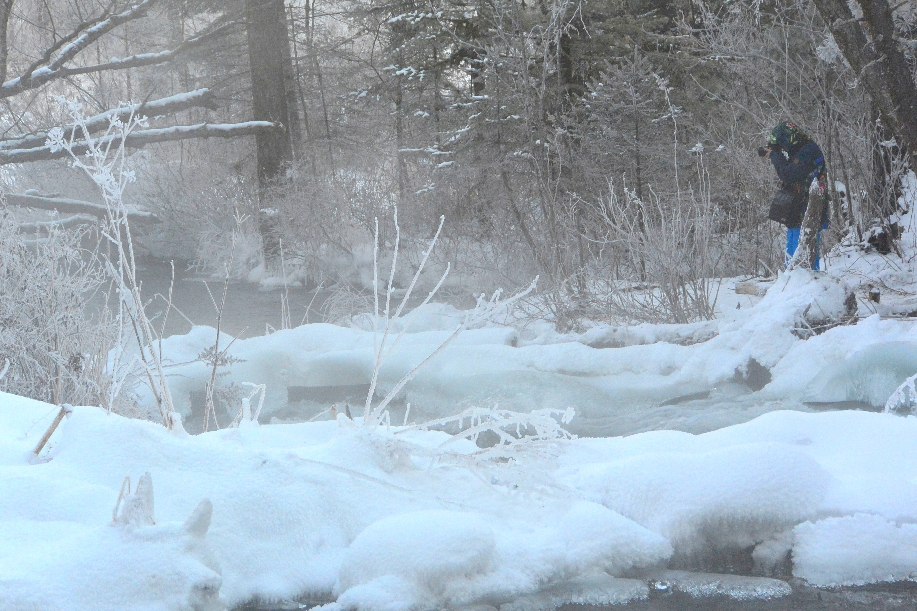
<point x="788" y="207"/>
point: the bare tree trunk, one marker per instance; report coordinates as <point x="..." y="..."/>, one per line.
<point x="289" y="78"/>
<point x="267" y="37"/>
<point x="878" y="61"/>
<point x="399" y="142"/>
<point x="298" y="82"/>
<point x="317" y="69"/>
<point x="6" y="9"/>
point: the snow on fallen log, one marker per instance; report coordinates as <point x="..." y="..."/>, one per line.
<point x="141" y="138"/>
<point x="153" y="108"/>
<point x="73" y="206"/>
<point x="64" y="223"/>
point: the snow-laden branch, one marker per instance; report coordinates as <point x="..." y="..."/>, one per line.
<point x="74" y="206"/>
<point x="37" y="75"/>
<point x="83" y="35"/>
<point x="141" y="138"/>
<point x="199" y="98"/>
<point x="157" y="58"/>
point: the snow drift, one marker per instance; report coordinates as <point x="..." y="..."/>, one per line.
<point x="392" y="519"/>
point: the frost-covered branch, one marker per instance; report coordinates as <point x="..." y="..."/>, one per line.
<point x="200" y="98"/>
<point x="513" y="429"/>
<point x="105" y="161"/>
<point x="141" y="138"/>
<point x="483" y="311"/>
<point x="904" y="399"/>
<point x="51" y="67"/>
<point x="156" y="58"/>
<point x="74" y="206"/>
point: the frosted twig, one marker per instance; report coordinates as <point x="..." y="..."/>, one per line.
<point x="904" y="397"/>
<point x="484" y="311"/>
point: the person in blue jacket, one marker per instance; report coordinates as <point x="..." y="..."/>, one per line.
<point x="798" y="161"/>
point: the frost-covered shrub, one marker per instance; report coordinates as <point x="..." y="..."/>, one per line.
<point x="51" y="348"/>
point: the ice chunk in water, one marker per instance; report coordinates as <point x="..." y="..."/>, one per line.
<point x="869" y="375"/>
<point x="702" y="585"/>
<point x="592" y="589"/>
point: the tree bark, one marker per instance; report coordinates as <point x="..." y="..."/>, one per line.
<point x="6" y="9"/>
<point x="267" y="35"/>
<point x="878" y="62"/>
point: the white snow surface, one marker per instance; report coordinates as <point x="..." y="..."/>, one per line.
<point x="855" y="550"/>
<point x="388" y="519"/>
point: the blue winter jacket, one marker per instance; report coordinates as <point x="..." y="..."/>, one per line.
<point x="799" y="170"/>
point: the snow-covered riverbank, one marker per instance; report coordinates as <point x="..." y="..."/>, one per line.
<point x="398" y="518"/>
<point x="418" y="517"/>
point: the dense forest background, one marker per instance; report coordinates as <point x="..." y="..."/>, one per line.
<point x="603" y="145"/>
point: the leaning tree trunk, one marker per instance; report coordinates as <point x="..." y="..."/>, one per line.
<point x="267" y="36"/>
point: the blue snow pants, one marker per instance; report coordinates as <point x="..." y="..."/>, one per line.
<point x="792" y="242"/>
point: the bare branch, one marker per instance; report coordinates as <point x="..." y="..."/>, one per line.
<point x="153" y="59"/>
<point x="163" y="106"/>
<point x="38" y="76"/>
<point x="142" y="138"/>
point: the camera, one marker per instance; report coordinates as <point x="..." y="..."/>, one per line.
<point x="762" y="151"/>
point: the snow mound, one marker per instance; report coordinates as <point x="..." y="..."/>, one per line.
<point x="397" y="518"/>
<point x="110" y="568"/>
<point x="855" y="550"/>
<point x="429" y="549"/>
<point x="439" y="559"/>
<point x="797" y="303"/>
<point x="726" y="498"/>
<point x="592" y="535"/>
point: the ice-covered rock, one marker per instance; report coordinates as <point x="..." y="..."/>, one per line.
<point x="597" y="589"/>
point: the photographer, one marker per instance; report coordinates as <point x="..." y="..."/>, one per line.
<point x="800" y="204"/>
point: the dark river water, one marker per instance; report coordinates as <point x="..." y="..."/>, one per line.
<point x="887" y="597"/>
<point x="248" y="310"/>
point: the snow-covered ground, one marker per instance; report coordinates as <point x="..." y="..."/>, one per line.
<point x="401" y="518"/>
<point x="728" y="458"/>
